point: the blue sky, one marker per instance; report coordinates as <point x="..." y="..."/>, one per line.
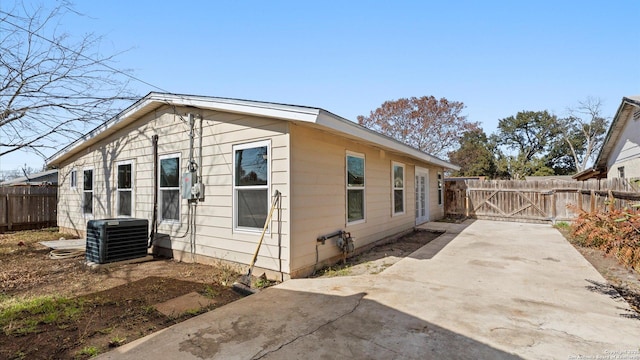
<point x="348" y="57"/>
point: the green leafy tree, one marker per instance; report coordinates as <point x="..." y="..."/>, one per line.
<point x="528" y="138"/>
<point x="475" y="155"/>
<point x="432" y="125"/>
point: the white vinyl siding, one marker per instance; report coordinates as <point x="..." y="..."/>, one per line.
<point x="169" y="192"/>
<point x="319" y="198"/>
<point x="625" y="152"/>
<point x="397" y="184"/>
<point x="87" y="191"/>
<point x="124" y="185"/>
<point x="221" y="131"/>
<point x="251" y="182"/>
<point x="355" y="187"/>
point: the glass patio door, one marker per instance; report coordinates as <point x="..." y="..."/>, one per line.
<point x="422" y="195"/>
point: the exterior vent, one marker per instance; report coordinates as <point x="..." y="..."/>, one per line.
<point x="636" y="115"/>
<point x="110" y="240"/>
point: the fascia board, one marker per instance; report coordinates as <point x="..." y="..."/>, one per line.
<point x="344" y="126"/>
<point x="615" y="129"/>
<point x="269" y="110"/>
<point x="153" y="100"/>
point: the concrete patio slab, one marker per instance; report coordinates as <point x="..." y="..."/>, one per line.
<point x="483" y="290"/>
<point x="65" y="244"/>
<point x="188" y="302"/>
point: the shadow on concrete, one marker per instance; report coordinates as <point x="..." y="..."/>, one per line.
<point x="286" y="324"/>
<point x="451" y="231"/>
<point x="618" y="293"/>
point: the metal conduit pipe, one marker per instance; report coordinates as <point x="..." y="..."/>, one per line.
<point x="154" y="219"/>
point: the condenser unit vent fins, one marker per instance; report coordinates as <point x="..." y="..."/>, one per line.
<point x="110" y="240"/>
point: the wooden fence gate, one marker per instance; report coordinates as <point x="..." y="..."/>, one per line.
<point x="27" y="207"/>
<point x="536" y="201"/>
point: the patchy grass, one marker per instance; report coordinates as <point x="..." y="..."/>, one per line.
<point x="59" y="309"/>
<point x="22" y="317"/>
<point x="117" y="341"/>
<point x="263" y="282"/>
<point x="90" y="351"/>
<point x="562" y="225"/>
<point x="210" y="292"/>
<point x="336" y="270"/>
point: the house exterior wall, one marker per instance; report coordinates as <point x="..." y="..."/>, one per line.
<point x="307" y="166"/>
<point x="216" y="236"/>
<point x="318" y="195"/>
<point x="626" y="153"/>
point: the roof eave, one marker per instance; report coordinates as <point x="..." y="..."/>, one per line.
<point x="254" y="108"/>
<point x="345" y="126"/>
<point x="155" y="100"/>
<point x="615" y="129"/>
<point x="592" y="173"/>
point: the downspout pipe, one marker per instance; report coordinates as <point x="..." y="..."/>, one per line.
<point x="154" y="218"/>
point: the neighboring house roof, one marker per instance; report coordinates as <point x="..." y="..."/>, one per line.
<point x="599" y="169"/>
<point x="49" y="176"/>
<point x="293" y="113"/>
<point x="464" y="178"/>
<point x="549" y="177"/>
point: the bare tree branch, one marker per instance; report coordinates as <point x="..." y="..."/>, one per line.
<point x="583" y="131"/>
<point x="52" y="88"/>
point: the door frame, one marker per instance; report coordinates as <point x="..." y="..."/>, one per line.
<point x="422" y="216"/>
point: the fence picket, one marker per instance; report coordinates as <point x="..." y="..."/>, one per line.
<point x="28" y="207"/>
<point x="537" y="201"/>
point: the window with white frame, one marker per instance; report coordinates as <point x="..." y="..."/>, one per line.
<point x="251" y="185"/>
<point x="355" y="187"/>
<point x="398" y="187"/>
<point x="124" y="202"/>
<point x="440" y="189"/>
<point x="73" y="177"/>
<point x="169" y="187"/>
<point x="87" y="191"/>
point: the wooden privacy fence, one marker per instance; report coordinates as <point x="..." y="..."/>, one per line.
<point x="27" y="207"/>
<point x="536" y="201"/>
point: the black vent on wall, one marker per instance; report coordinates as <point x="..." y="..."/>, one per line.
<point x="110" y="240"/>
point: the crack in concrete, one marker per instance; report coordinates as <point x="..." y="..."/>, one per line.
<point x="256" y="357"/>
<point x="574" y="337"/>
<point x="384" y="347"/>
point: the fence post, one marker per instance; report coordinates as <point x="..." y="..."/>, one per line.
<point x="9" y="223"/>
<point x="611" y="201"/>
<point x="579" y="200"/>
<point x="466" y="201"/>
<point x="553" y="207"/>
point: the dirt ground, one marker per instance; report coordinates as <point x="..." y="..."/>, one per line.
<point x="121" y="303"/>
<point x="378" y="258"/>
<point x="109" y="307"/>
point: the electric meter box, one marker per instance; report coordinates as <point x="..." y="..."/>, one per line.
<point x="187" y="183"/>
<point x="192" y="190"/>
